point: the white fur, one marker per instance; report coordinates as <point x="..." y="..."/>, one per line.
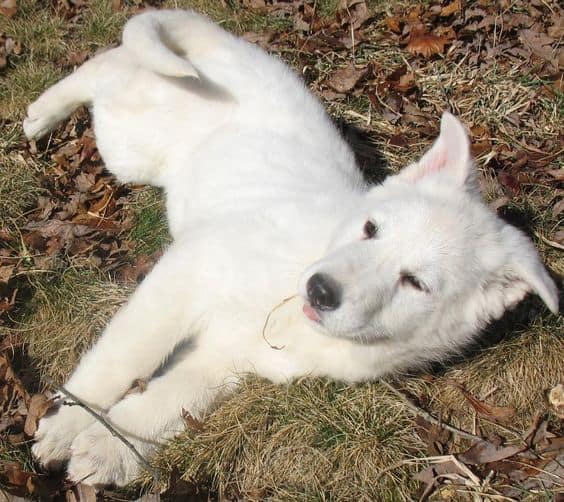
<point x="262" y="193"/>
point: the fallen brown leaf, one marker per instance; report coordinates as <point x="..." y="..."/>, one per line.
<point x="426" y="44"/>
<point x="510" y="182"/>
<point x="15" y="478"/>
<point x="496" y="412"/>
<point x="137" y="270"/>
<point x="38" y="406"/>
<point x="26" y="484"/>
<point x="7" y="303"/>
<point x="345" y="79"/>
<point x="8" y="8"/>
<point x="401" y="80"/>
<point x="6" y="272"/>
<point x="76" y="58"/>
<point x="553" y="444"/>
<point x="55" y="228"/>
<point x="398" y="140"/>
<point x="539" y="44"/>
<point x="353" y="12"/>
<point x="480" y="148"/>
<point x="556" y="31"/>
<point x="484" y="452"/>
<point x="431" y="475"/>
<point x="85" y="181"/>
<point x="557" y="174"/>
<point x="81" y="493"/>
<point x="254" y="4"/>
<point x="262" y="39"/>
<point x="394" y="24"/>
<point x="558" y="208"/>
<point x="537" y="432"/>
<point x="434" y="436"/>
<point x="451" y="8"/>
<point x="192" y="422"/>
<point x="556" y="400"/>
<point x="8" y="46"/>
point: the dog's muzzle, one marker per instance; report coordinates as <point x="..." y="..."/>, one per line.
<point x="323" y="292"/>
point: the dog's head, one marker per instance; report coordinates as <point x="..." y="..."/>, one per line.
<point x="423" y="257"/>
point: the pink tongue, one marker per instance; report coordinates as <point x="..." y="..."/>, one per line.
<point x="311" y="313"/>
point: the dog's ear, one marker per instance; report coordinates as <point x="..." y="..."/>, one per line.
<point x="525" y="265"/>
<point x="449" y="156"/>
<point x="520" y="273"/>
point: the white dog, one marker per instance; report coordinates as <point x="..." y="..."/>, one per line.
<point x="264" y="202"/>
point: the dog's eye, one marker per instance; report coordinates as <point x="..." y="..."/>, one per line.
<point x="407" y="279"/>
<point x="370" y="229"/>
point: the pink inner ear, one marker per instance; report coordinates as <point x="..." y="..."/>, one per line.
<point x="433" y="163"/>
<point x="449" y="154"/>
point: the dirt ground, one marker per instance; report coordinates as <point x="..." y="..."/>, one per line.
<point x="74" y="243"/>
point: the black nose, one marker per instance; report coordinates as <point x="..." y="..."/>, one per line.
<point x="323" y="292"/>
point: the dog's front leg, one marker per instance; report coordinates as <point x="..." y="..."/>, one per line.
<point x="147" y="419"/>
<point x="134" y="344"/>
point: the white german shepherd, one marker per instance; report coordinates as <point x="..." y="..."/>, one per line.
<point x="264" y="202"/>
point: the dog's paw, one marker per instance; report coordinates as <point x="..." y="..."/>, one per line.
<point x="40" y="119"/>
<point x="100" y="459"/>
<point x="56" y="433"/>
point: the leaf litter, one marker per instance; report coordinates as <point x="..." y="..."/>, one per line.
<point x="83" y="215"/>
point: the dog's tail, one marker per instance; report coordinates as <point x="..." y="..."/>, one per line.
<point x="157" y="40"/>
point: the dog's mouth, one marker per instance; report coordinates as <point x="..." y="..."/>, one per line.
<point x="311" y="313"/>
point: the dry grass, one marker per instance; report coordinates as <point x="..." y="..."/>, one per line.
<point x="480" y="97"/>
<point x="515" y="372"/>
<point x="312" y="440"/>
<point x="19" y="187"/>
<point x="317" y="440"/>
<point x="41" y="33"/>
<point x="65" y="316"/>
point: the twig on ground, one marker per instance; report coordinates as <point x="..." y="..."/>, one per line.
<point x="553" y="244"/>
<point x="106" y="424"/>
<point x="436" y="459"/>
<point x="427" y="416"/>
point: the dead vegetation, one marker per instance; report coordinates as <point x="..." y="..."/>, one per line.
<point x="72" y="244"/>
<point x="18" y="190"/>
<point x="306" y="441"/>
<point x="78" y="303"/>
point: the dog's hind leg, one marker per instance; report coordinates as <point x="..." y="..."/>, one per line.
<point x="177" y="43"/>
<point x="63" y="98"/>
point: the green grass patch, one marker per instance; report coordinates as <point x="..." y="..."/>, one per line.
<point x="101" y="26"/>
<point x="19" y="188"/>
<point x="23" y="84"/>
<point x="40" y="31"/>
<point x="150" y="232"/>
<point x="21" y="454"/>
<point x="327" y="8"/>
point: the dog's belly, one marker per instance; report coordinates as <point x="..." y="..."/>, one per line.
<point x="288" y="185"/>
